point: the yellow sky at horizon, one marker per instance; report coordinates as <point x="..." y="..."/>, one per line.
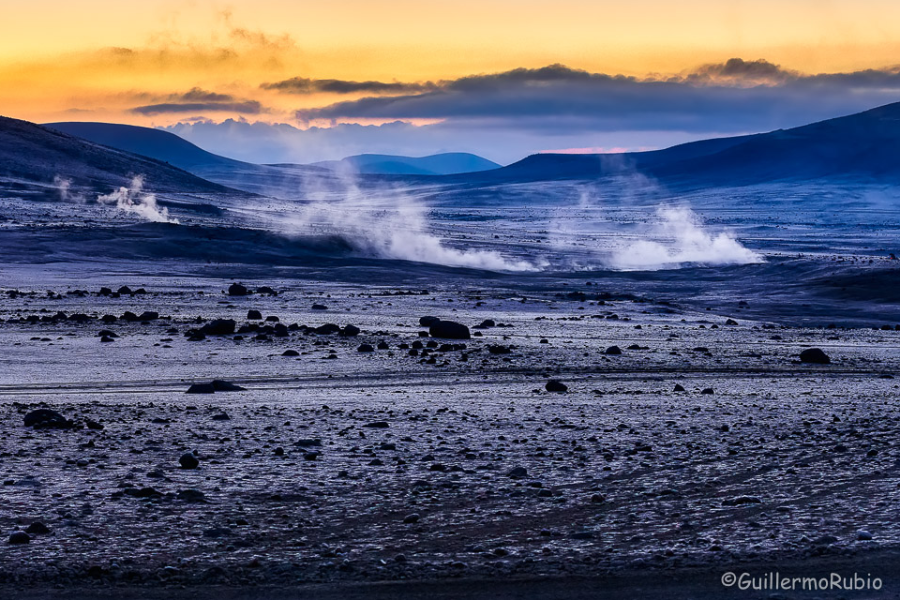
<point x="55" y="56"/>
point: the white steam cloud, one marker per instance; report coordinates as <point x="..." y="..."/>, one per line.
<point x="678" y="238"/>
<point x="63" y="186"/>
<point x="387" y="224"/>
<point x="134" y="200"/>
<point x="627" y="233"/>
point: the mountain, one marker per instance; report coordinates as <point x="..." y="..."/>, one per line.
<point x="278" y="180"/>
<point x="862" y="147"/>
<point x="154" y="143"/>
<point x="32" y="156"/>
<point x="450" y="163"/>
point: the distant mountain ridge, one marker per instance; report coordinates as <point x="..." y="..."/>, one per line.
<point x="860" y="147"/>
<point x="154" y="143"/>
<point x="448" y="163"/>
<point x="34" y="155"/>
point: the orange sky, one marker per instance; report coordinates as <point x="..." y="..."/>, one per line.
<point x="97" y="59"/>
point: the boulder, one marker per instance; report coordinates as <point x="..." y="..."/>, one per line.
<point x="449" y="330"/>
<point x="814" y="356"/>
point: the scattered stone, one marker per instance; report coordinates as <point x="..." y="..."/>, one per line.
<point x="254" y="315"/>
<point x="411" y="519"/>
<point x="236" y="289"/>
<point x="613" y="351"/>
<point x="37" y="528"/>
<point x="19" y="537"/>
<point x="220" y="385"/>
<point x="556" y="386"/>
<point x="517" y="472"/>
<point x="365" y="348"/>
<point x="44" y="418"/>
<point x="814" y="356"/>
<point x="678" y="388"/>
<point x="449" y="330"/>
<point x="188" y="461"/>
<point x="219" y="327"/>
<point x="201" y="388"/>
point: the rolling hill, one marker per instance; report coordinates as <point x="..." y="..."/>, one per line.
<point x="35" y="156"/>
<point x="450" y="163"/>
<point x="154" y="143"/>
<point x="862" y="147"/>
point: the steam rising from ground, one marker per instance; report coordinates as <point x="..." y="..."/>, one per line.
<point x="134" y="200"/>
<point x="626" y="233"/>
<point x="387" y="223"/>
<point x="63" y="185"/>
<point x="679" y="238"/>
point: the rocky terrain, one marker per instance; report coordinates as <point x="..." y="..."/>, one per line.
<point x="332" y="434"/>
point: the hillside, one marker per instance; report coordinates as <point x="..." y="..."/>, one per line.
<point x="36" y="155"/>
<point x="153" y="143"/>
<point x="450" y="163"/>
<point x="857" y="148"/>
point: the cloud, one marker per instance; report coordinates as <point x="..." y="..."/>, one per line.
<point x="248" y="107"/>
<point x="199" y="95"/>
<point x="302" y="85"/>
<point x="734" y="96"/>
<point x="740" y="72"/>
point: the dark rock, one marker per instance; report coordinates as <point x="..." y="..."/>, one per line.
<point x="556" y="386"/>
<point x="188" y="461"/>
<point x="814" y="356"/>
<point x="708" y="391"/>
<point x="428" y="321"/>
<point x="365" y="348"/>
<point x="222" y="416"/>
<point x="613" y="350"/>
<point x="201" y="388"/>
<point x="19" y="537"/>
<point x="350" y="331"/>
<point x="254" y="315"/>
<point x="220" y="385"/>
<point x="377" y="425"/>
<point x="517" y="472"/>
<point x="308" y="442"/>
<point x="290" y="353"/>
<point x="91" y="424"/>
<point x="219" y="327"/>
<point x="37" y="528"/>
<point x="410" y="519"/>
<point x="319" y="307"/>
<point x="449" y="330"/>
<point x="236" y="289"/>
<point x="678" y="388"/>
<point x="44" y="418"/>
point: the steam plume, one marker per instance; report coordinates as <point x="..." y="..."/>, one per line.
<point x="134" y="200"/>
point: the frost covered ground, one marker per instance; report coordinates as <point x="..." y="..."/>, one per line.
<point x="335" y="465"/>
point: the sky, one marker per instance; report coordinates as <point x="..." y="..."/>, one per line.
<point x="301" y="81"/>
